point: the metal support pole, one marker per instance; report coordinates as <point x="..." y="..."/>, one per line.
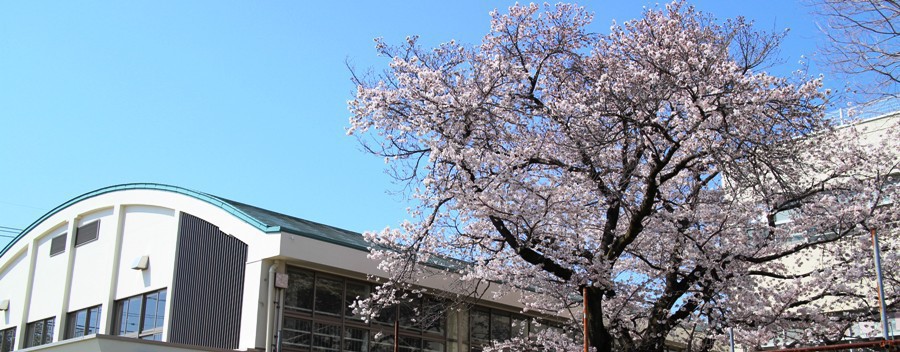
<point x="584" y="323"/>
<point x="397" y="334"/>
<point x="731" y="338"/>
<point x="877" y="252"/>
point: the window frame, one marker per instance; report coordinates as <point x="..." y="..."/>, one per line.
<point x="477" y="344"/>
<point x="88" y="329"/>
<point x="45" y="336"/>
<point x="312" y="324"/>
<point x="8" y="334"/>
<point x="142" y="332"/>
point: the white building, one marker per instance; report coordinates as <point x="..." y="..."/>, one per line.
<point x="139" y="267"/>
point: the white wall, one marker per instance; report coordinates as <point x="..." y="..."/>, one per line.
<point x="49" y="278"/>
<point x="91" y="262"/>
<point x="150" y="231"/>
<point x="16" y="271"/>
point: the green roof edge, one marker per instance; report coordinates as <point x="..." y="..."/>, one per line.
<point x="206" y="197"/>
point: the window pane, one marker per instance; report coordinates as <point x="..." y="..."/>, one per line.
<point x="329" y="296"/>
<point x="354" y="290"/>
<point x="500" y="327"/>
<point x="356" y="340"/>
<point x="150" y="311"/>
<point x="48" y="330"/>
<point x="131" y="316"/>
<point x="36" y="333"/>
<point x="160" y="308"/>
<point x="432" y="346"/>
<point x="519" y="327"/>
<point x="93" y="323"/>
<point x="119" y="310"/>
<point x="479" y="326"/>
<point x="296" y="332"/>
<point x="409" y="313"/>
<point x="432" y="317"/>
<point x="383" y="343"/>
<point x="387" y="315"/>
<point x="410" y="344"/>
<point x="78" y="322"/>
<point x="299" y="293"/>
<point x="326" y="337"/>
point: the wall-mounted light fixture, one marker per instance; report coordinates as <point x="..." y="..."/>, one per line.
<point x="4" y="305"/>
<point x="141" y="263"/>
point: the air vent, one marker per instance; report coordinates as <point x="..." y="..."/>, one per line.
<point x="58" y="245"/>
<point x="87" y="233"/>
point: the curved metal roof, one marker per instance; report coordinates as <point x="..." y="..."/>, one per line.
<point x="266" y="221"/>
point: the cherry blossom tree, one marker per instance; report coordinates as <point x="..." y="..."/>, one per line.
<point x="650" y="175"/>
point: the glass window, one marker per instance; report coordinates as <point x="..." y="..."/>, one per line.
<point x="296" y="332"/>
<point x="409" y="311"/>
<point x="83" y="322"/>
<point x="387" y="315"/>
<point x="129" y="314"/>
<point x="520" y="327"/>
<point x="432" y="346"/>
<point x="356" y="339"/>
<point x="299" y="294"/>
<point x="39" y="332"/>
<point x="329" y="296"/>
<point x="317" y="317"/>
<point x="382" y="343"/>
<point x="141" y="316"/>
<point x="410" y="344"/>
<point x="154" y="310"/>
<point x="355" y="290"/>
<point x="433" y="318"/>
<point x="487" y="325"/>
<point x="500" y="327"/>
<point x="7" y="339"/>
<point x="480" y="326"/>
<point x="326" y="337"/>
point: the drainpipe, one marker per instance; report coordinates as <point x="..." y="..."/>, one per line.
<point x="270" y="306"/>
<point x="280" y="318"/>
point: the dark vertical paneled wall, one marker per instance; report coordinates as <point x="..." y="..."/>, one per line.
<point x="209" y="285"/>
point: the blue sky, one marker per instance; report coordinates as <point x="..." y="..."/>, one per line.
<point x="244" y="100"/>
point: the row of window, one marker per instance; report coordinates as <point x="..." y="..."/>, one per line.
<point x="305" y="335"/>
<point x="83" y="234"/>
<point x="139" y="316"/>
<point x="487" y="325"/>
<point x="318" y="317"/>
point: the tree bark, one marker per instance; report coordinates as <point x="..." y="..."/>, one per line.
<point x="597" y="334"/>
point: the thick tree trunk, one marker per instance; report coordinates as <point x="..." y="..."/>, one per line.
<point x="597" y="334"/>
